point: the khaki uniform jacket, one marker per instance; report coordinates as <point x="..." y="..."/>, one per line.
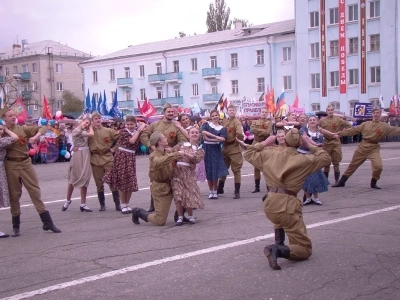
<point x="372" y="131"/>
<point x="161" y="165"/>
<point x="333" y="124"/>
<point x="168" y="129"/>
<point x="100" y="145"/>
<point x="261" y="129"/>
<point x="234" y="130"/>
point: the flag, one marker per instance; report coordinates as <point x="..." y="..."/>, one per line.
<point x="103" y="110"/>
<point x="86" y="110"/>
<point x="138" y="106"/>
<point x="99" y="104"/>
<point x="296" y="101"/>
<point x="20" y="109"/>
<point x="280" y="101"/>
<point x="381" y="104"/>
<point x="46" y="114"/>
<point x="196" y="107"/>
<point x="114" y="111"/>
<point x="392" y="107"/>
<point x="1" y="98"/>
<point x="267" y="96"/>
<point x="226" y="103"/>
<point x="148" y="109"/>
<point x="261" y="97"/>
<point x="93" y="106"/>
<point x="220" y="103"/>
<point x="271" y="102"/>
<point x="398" y="106"/>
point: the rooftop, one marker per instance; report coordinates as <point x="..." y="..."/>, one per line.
<point x="218" y="37"/>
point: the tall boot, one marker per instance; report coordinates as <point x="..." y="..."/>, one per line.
<point x="237" y="191"/>
<point x="373" y="184"/>
<point x="337" y="176"/>
<point x="115" y="196"/>
<point x="48" y="222"/>
<point x="257" y="183"/>
<point x="272" y="252"/>
<point x="279" y="236"/>
<point x="15" y="224"/>
<point x="151" y="209"/>
<point x="326" y="174"/>
<point x="220" y="187"/>
<point x="341" y="182"/>
<point x="102" y="200"/>
<point x="139" y="213"/>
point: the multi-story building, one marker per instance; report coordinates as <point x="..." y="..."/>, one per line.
<point x="35" y="70"/>
<point x="347" y="51"/>
<point x="239" y="63"/>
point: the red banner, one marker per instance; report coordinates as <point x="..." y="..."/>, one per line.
<point x="20" y="109"/>
<point x="46" y="110"/>
<point x="342" y="46"/>
<point x="363" y="36"/>
<point x="324" y="91"/>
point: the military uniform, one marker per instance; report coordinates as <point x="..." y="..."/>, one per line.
<point x="331" y="145"/>
<point x="261" y="130"/>
<point x="232" y="152"/>
<point x="372" y="132"/>
<point x="285" y="171"/>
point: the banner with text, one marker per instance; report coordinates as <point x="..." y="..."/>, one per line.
<point x="342" y="46"/>
<point x="363" y="110"/>
<point x="296" y="110"/>
<point x="250" y="108"/>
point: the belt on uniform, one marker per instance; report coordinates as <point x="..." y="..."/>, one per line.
<point x="83" y="148"/>
<point x="370" y="142"/>
<point x="183" y="163"/>
<point x="162" y="181"/>
<point x="282" y="191"/>
<point x="126" y="150"/>
<point x="18" y="159"/>
<point x="101" y="152"/>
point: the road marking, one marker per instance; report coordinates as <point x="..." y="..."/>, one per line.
<point x="153" y="263"/>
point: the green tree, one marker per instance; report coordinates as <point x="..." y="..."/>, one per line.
<point x="245" y="22"/>
<point x="71" y="102"/>
<point x="218" y="17"/>
<point x="182" y="34"/>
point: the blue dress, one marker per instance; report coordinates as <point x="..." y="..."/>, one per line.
<point x="213" y="158"/>
<point x="317" y="181"/>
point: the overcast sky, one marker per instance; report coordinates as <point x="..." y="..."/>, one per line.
<point x="104" y="26"/>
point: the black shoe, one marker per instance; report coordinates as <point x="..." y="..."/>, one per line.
<point x="237" y="191"/>
<point x="66" y="204"/>
<point x="373" y="184"/>
<point x="102" y="207"/>
<point x="85" y="208"/>
<point x="257" y="186"/>
<point x="102" y="201"/>
<point x="118" y="207"/>
<point x="271" y="252"/>
<point x="4" y="235"/>
<point x="279" y="236"/>
<point x="151" y="208"/>
<point x="15" y="222"/>
<point x="15" y="232"/>
<point x="139" y="213"/>
<point x="115" y="196"/>
<point x="48" y="222"/>
<point x="341" y="182"/>
<point x="220" y="187"/>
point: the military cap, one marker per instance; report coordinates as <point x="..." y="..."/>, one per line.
<point x="292" y="138"/>
<point x="4" y="110"/>
<point x="155" y="137"/>
<point x="167" y="105"/>
<point x="95" y="114"/>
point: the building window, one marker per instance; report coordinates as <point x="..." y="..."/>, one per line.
<point x="334" y="48"/>
<point x="235" y="86"/>
<point x="94" y="76"/>
<point x="374" y="42"/>
<point x="213" y="61"/>
<point x="334" y="78"/>
<point x="176" y="66"/>
<point x="315" y="81"/>
<point x="287" y="82"/>
<point x="15" y="69"/>
<point x="351" y="107"/>
<point x="142" y="94"/>
<point x="128" y="95"/>
<point x="234" y="60"/>
<point x="59" y="86"/>
<point x="287" y="53"/>
<point x="375" y="74"/>
<point x="58" y="68"/>
<point x="34" y="68"/>
<point x="177" y="91"/>
<point x="159" y="92"/>
<point x="214" y="87"/>
<point x="353" y="77"/>
<point x="112" y="95"/>
<point x="375" y="102"/>
<point x="7" y="72"/>
<point x="353" y="12"/>
<point x="25" y="68"/>
<point x="260" y="57"/>
<point x="195" y="89"/>
<point x="34" y="86"/>
<point x="374" y="8"/>
<point x="334" y="16"/>
<point x="127" y="72"/>
<point x="112" y="74"/>
<point x="353" y="45"/>
<point x="336" y="105"/>
<point x="314" y="19"/>
<point x="315" y="107"/>
<point x="96" y="96"/>
<point x="314" y="50"/>
<point x="260" y="85"/>
<point x="159" y="68"/>
<point x="141" y="71"/>
<point x="194" y="64"/>
<point x="36" y="105"/>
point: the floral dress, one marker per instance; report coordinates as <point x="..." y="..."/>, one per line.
<point x="184" y="185"/>
<point x="122" y="175"/>
<point x="4" y="195"/>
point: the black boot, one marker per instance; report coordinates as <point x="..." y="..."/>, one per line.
<point x="237" y="191"/>
<point x="102" y="200"/>
<point x="15" y="223"/>
<point x="337" y="176"/>
<point x="257" y="183"/>
<point x="341" y="182"/>
<point x="373" y="184"/>
<point x="326" y="174"/>
<point x="151" y="209"/>
<point x="139" y="213"/>
<point x="265" y="197"/>
<point x="279" y="236"/>
<point x="48" y="222"/>
<point x="272" y="252"/>
<point x="220" y="187"/>
<point x="115" y="195"/>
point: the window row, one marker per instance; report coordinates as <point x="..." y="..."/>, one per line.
<point x="25" y="68"/>
<point x="352" y="13"/>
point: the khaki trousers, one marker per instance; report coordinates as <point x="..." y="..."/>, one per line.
<point x="295" y="229"/>
<point x="257" y="174"/>
<point x="162" y="197"/>
<point x="98" y="174"/>
<point x="235" y="162"/>
<point x="335" y="152"/>
<point x="19" y="174"/>
<point x="366" y="151"/>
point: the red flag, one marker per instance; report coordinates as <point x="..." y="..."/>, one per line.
<point x="392" y="108"/>
<point x="138" y="105"/>
<point x="267" y="96"/>
<point x="148" y="109"/>
<point x="296" y="101"/>
<point x="20" y="109"/>
<point x="226" y="103"/>
<point x="46" y="110"/>
<point x="271" y="102"/>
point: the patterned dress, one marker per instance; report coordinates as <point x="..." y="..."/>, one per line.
<point x="213" y="159"/>
<point x="122" y="175"/>
<point x="80" y="170"/>
<point x="184" y="185"/>
<point x="4" y="196"/>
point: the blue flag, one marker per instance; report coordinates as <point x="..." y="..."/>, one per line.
<point x="103" y="110"/>
<point x="99" y="104"/>
<point x="114" y="111"/>
<point x="87" y="108"/>
<point x="93" y="108"/>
